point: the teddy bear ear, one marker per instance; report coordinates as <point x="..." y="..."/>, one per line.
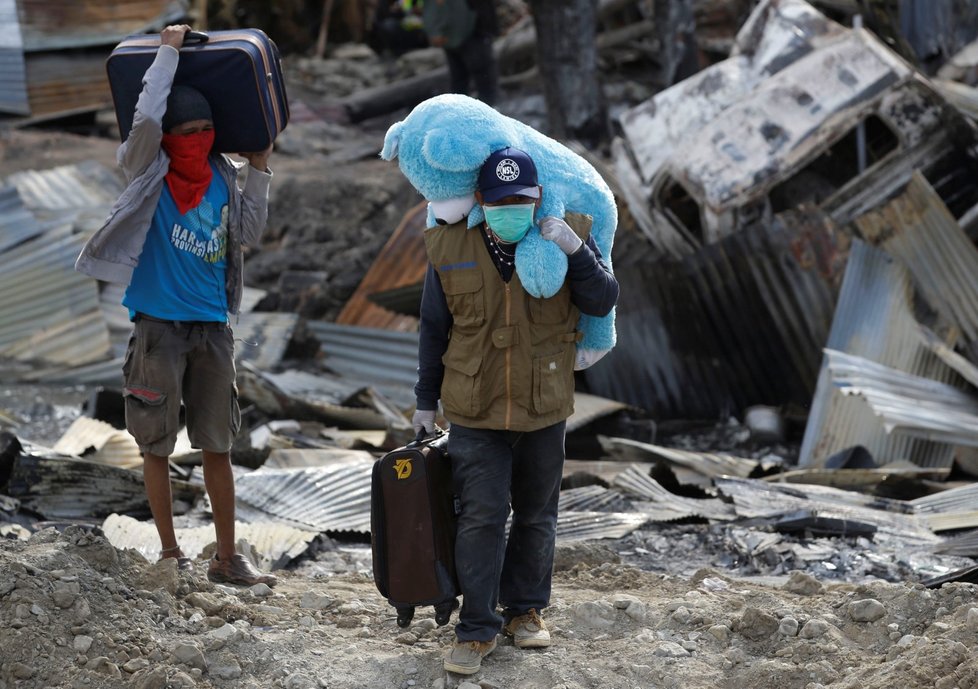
<point x="391" y="141"/>
<point x="454" y="151"/>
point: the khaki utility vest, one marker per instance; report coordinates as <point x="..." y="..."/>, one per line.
<point x="509" y="364"/>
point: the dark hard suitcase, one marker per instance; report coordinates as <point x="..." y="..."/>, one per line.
<point x="239" y="72"/>
<point x="412" y="529"/>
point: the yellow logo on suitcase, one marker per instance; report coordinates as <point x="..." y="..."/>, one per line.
<point x="402" y="467"/>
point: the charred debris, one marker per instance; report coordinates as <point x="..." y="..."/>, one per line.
<point x="797" y="258"/>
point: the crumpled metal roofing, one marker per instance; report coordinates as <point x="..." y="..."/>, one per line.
<point x="261" y="338"/>
<point x="68" y="189"/>
<point x="873" y="320"/>
<point x="402" y="262"/>
<point x="17" y="224"/>
<point x="336" y="499"/>
<point x="663" y="506"/>
<point x="375" y="355"/>
<point x="753" y="498"/>
<point x="275" y="544"/>
<point x="917" y="227"/>
<point x="705" y="463"/>
<point x="331" y="499"/>
<point x="906" y="403"/>
<point x="48" y="309"/>
<point x="740" y="322"/>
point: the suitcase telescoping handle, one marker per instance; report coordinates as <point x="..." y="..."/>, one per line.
<point x="422" y="437"/>
<point x="195" y="38"/>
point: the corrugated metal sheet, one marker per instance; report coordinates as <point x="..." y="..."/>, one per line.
<point x="100" y="442"/>
<point x="13" y="75"/>
<point x="739" y="323"/>
<point x="873" y="320"/>
<point x="917" y="227"/>
<point x="17" y="224"/>
<point x="402" y="262"/>
<point x="48" y="307"/>
<point x="275" y="544"/>
<point x="753" y="498"/>
<point x="55" y="24"/>
<point x="67" y="82"/>
<point x="294" y="458"/>
<point x="373" y="354"/>
<point x="957" y="499"/>
<point x="663" y="506"/>
<point x="703" y="463"/>
<point x="591" y="499"/>
<point x="905" y="403"/>
<point x="337" y="499"/>
<point x="573" y="526"/>
<point x="261" y="338"/>
<point x="87" y="185"/>
<point x="329" y="499"/>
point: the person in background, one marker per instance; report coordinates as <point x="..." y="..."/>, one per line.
<point x="175" y="237"/>
<point x="502" y="364"/>
<point x="398" y="28"/>
<point x="465" y="34"/>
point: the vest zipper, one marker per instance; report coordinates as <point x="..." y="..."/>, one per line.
<point x="509" y="361"/>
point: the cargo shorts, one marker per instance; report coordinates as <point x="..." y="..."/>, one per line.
<point x="169" y="362"/>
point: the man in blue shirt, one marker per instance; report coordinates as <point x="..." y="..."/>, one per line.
<point x="185" y="220"/>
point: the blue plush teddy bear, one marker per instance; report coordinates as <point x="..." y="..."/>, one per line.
<point x="440" y="147"/>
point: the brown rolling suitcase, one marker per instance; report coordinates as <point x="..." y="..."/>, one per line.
<point x="412" y="528"/>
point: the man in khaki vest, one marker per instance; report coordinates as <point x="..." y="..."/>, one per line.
<point x="502" y="364"/>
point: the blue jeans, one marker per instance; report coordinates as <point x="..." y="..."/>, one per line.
<point x="492" y="469"/>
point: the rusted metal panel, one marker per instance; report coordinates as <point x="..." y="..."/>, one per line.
<point x="56" y="24"/>
<point x="401" y="263"/>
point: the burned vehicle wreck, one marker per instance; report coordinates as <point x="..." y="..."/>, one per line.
<point x="746" y="180"/>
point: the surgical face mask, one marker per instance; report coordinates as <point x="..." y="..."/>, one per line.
<point x="510" y="223"/>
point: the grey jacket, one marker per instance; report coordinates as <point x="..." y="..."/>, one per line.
<point x="113" y="251"/>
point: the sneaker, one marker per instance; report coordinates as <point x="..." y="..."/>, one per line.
<point x="238" y="570"/>
<point x="465" y="657"/>
<point x="528" y="630"/>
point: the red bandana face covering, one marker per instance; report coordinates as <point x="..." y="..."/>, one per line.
<point x="190" y="172"/>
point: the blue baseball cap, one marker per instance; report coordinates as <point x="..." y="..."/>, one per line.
<point x="508" y="172"/>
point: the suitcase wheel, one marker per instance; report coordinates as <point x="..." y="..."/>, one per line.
<point x="443" y="611"/>
<point x="404" y="616"/>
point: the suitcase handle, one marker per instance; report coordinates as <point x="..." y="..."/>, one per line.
<point x="195" y="38"/>
<point x="422" y="437"/>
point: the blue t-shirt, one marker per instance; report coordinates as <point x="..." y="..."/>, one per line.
<point x="180" y="274"/>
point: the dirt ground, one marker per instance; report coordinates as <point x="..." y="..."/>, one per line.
<point x="75" y="612"/>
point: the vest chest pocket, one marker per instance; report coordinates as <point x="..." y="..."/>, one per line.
<point x="463" y="292"/>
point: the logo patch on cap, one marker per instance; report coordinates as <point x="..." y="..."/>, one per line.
<point x="507" y="170"/>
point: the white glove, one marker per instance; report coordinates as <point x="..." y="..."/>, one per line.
<point x="424" y="421"/>
<point x="560" y="233"/>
